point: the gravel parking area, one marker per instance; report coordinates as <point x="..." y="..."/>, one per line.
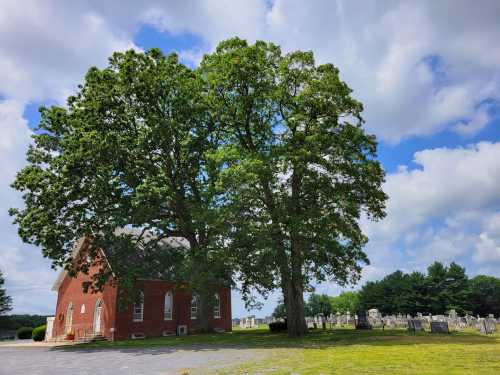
<point x="161" y="361"/>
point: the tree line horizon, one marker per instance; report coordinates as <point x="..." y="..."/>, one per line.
<point x="437" y="292"/>
<point x="259" y="159"/>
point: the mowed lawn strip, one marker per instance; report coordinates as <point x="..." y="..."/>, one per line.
<point x="347" y="351"/>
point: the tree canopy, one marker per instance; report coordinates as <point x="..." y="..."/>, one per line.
<point x="128" y="151"/>
<point x="442" y="289"/>
<point x="5" y="300"/>
<point x="485" y="295"/>
<point x="258" y="159"/>
<point x="344" y="302"/>
<point x="299" y="170"/>
<point x="318" y="304"/>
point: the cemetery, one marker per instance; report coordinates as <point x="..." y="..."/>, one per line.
<point x="385" y="347"/>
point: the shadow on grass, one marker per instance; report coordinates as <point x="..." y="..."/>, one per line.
<point x="263" y="339"/>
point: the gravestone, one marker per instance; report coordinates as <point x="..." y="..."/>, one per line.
<point x="415" y="325"/>
<point x="487" y="326"/>
<point x="439" y="327"/>
<point x="362" y="321"/>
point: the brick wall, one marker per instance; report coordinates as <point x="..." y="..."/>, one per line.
<point x="153" y="323"/>
<point x="70" y="291"/>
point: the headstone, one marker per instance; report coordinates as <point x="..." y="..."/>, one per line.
<point x="390" y="321"/>
<point x="439" y="327"/>
<point x="362" y="321"/>
<point x="415" y="325"/>
<point x="487" y="326"/>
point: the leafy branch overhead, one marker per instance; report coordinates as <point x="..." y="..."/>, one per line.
<point x="257" y="159"/>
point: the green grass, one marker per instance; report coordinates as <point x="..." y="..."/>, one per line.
<point x="347" y="351"/>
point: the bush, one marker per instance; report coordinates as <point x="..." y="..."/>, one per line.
<point x="24" y="332"/>
<point x="277" y="326"/>
<point x="39" y="333"/>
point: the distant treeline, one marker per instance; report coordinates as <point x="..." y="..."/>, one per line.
<point x="438" y="291"/>
<point x="14" y="322"/>
<point x="443" y="288"/>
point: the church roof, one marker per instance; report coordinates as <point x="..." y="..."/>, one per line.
<point x="171" y="242"/>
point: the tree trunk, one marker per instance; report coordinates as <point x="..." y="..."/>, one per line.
<point x="205" y="312"/>
<point x="296" y="322"/>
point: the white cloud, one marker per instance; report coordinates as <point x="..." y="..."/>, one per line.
<point x="28" y="276"/>
<point x="415" y="73"/>
<point x="418" y="67"/>
<point x="46" y="47"/>
<point x="445" y="182"/>
<point x="445" y="209"/>
<point x="487" y="247"/>
<point x="477" y="123"/>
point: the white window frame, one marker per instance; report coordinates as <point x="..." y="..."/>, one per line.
<point x="68" y="323"/>
<point x="82" y="309"/>
<point x="168" y="306"/>
<point x="194" y="307"/>
<point x="138" y="308"/>
<point x="217" y="306"/>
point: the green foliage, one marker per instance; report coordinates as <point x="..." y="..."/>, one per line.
<point x="280" y="311"/>
<point x="318" y="304"/>
<point x="346" y="301"/>
<point x="24" y="333"/>
<point x="485" y="295"/>
<point x="129" y="150"/>
<point x="38" y="333"/>
<point x="442" y="289"/>
<point x="298" y="169"/>
<point x="257" y="158"/>
<point x="5" y="300"/>
<point x="17" y="321"/>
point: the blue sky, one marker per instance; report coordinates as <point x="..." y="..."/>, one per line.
<point x="428" y="74"/>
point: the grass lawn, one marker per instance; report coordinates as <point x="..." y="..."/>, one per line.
<point x="347" y="351"/>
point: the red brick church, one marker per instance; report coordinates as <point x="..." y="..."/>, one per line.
<point x="161" y="309"/>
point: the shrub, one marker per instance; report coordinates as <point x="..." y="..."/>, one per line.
<point x="39" y="333"/>
<point x="277" y="326"/>
<point x="24" y="332"/>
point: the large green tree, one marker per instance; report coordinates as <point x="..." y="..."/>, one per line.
<point x="345" y="301"/>
<point x="448" y="288"/>
<point x="5" y="300"/>
<point x="442" y="289"/>
<point x="485" y="295"/>
<point x="318" y="304"/>
<point x="280" y="311"/>
<point x="299" y="170"/>
<point x="129" y="151"/>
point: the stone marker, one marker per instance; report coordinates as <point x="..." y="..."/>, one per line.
<point x="362" y="321"/>
<point x="415" y="325"/>
<point x="487" y="326"/>
<point x="439" y="327"/>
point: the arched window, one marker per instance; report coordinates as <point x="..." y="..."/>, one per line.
<point x="82" y="309"/>
<point x="68" y="324"/>
<point x="139" y="307"/>
<point x="217" y="306"/>
<point x="97" y="317"/>
<point x="194" y="307"/>
<point x="167" y="312"/>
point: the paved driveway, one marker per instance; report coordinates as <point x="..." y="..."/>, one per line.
<point x="161" y="361"/>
